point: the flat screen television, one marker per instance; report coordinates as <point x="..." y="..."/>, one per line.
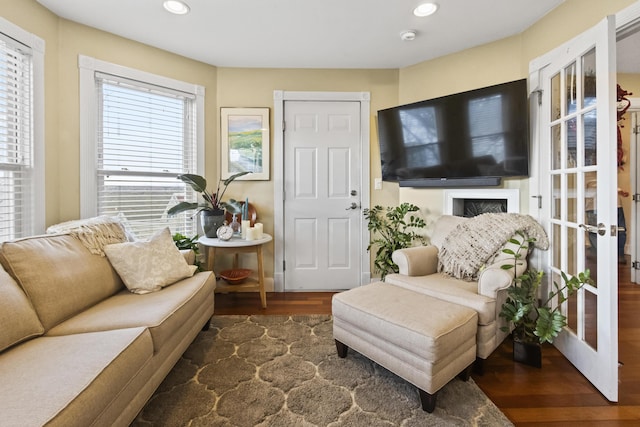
<point x="474" y="137"/>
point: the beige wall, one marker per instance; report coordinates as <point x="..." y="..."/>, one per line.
<point x="503" y="60"/>
<point x="65" y="40"/>
<point x="32" y="17"/>
<point x="482" y="66"/>
<point x="77" y="40"/>
<point x="247" y="87"/>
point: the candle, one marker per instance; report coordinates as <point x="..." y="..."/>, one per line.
<point x="251" y="233"/>
<point x="259" y="229"/>
<point x="244" y="228"/>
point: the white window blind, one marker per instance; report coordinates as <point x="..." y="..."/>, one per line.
<point x="146" y="137"/>
<point x="17" y="190"/>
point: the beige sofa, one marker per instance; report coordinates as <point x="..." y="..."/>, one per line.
<point x="418" y="271"/>
<point x="76" y="347"/>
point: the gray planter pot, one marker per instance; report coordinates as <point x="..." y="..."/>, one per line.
<point x="211" y="221"/>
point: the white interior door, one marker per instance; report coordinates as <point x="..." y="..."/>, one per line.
<point x="322" y="201"/>
<point x="578" y="184"/>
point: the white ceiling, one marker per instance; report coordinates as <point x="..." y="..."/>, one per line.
<point x="306" y="33"/>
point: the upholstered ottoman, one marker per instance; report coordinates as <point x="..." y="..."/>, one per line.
<point x="422" y="339"/>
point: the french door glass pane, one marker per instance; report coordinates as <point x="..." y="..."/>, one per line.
<point x="555" y="98"/>
<point x="571" y="89"/>
<point x="589" y="78"/>
<point x="590" y="138"/>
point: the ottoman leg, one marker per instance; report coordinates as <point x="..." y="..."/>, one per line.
<point x="427" y="400"/>
<point x="342" y="349"/>
<point x="464" y="375"/>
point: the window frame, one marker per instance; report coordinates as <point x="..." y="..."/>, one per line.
<point x="89" y="121"/>
<point x="37" y="46"/>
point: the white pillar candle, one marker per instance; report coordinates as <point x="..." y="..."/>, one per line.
<point x="244" y="228"/>
<point x="251" y="233"/>
<point x="259" y="229"/>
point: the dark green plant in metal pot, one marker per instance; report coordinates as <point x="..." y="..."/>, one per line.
<point x="392" y="228"/>
<point x="211" y="201"/>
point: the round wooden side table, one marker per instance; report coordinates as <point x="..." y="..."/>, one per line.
<point x="237" y="245"/>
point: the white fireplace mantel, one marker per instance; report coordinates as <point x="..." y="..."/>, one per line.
<point x="453" y="197"/>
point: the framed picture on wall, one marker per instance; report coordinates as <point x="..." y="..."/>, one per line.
<point x="244" y="142"/>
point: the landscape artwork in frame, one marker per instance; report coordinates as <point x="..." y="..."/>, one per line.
<point x="245" y="142"/>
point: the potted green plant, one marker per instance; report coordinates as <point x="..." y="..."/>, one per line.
<point x="183" y="242"/>
<point x="533" y="319"/>
<point x="211" y="209"/>
<point x="392" y="230"/>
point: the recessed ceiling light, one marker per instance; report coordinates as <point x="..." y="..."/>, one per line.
<point x="177" y="7"/>
<point x="425" y="9"/>
<point x="408" y="35"/>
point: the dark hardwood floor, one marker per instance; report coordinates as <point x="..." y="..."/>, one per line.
<point x="556" y="395"/>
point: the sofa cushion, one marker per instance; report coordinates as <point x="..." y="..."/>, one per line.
<point x="148" y="266"/>
<point x="69" y="380"/>
<point x="163" y="312"/>
<point x="447" y="288"/>
<point x="59" y="275"/>
<point x="17" y="317"/>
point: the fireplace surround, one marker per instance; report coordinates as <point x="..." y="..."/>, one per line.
<point x="468" y="203"/>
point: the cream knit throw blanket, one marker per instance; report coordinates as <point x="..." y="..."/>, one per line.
<point x="94" y="233"/>
<point x="473" y="242"/>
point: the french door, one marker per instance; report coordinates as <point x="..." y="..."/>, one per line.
<point x="578" y="189"/>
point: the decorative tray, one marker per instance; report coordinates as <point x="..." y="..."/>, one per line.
<point x="235" y="276"/>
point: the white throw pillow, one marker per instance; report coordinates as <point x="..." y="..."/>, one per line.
<point x="148" y="266"/>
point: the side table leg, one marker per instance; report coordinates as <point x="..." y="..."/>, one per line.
<point x="211" y="255"/>
<point x="263" y="294"/>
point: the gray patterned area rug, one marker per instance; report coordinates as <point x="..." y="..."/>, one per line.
<point x="284" y="371"/>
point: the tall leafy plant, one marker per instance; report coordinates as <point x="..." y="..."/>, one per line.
<point x="392" y="228"/>
<point x="534" y="319"/>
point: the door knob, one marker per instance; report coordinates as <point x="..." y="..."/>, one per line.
<point x="601" y="229"/>
<point x="353" y="205"/>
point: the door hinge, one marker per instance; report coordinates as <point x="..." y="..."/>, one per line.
<point x="635" y="197"/>
<point x="284" y="265"/>
<point x="284" y="126"/>
<point x="636" y="130"/>
<point x="635" y="265"/>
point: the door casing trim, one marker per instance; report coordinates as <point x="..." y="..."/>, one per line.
<point x="279" y="99"/>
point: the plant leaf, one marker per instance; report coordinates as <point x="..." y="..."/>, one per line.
<point x="181" y="207"/>
<point x="197" y="182"/>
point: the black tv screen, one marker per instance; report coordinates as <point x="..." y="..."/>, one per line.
<point x="478" y="133"/>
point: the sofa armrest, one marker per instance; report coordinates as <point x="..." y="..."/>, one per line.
<point x="494" y="278"/>
<point x="189" y="256"/>
<point x="416" y="261"/>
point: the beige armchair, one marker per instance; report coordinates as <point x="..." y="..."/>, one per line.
<point x="485" y="292"/>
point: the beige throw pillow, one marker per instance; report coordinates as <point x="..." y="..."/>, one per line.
<point x="148" y="266"/>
